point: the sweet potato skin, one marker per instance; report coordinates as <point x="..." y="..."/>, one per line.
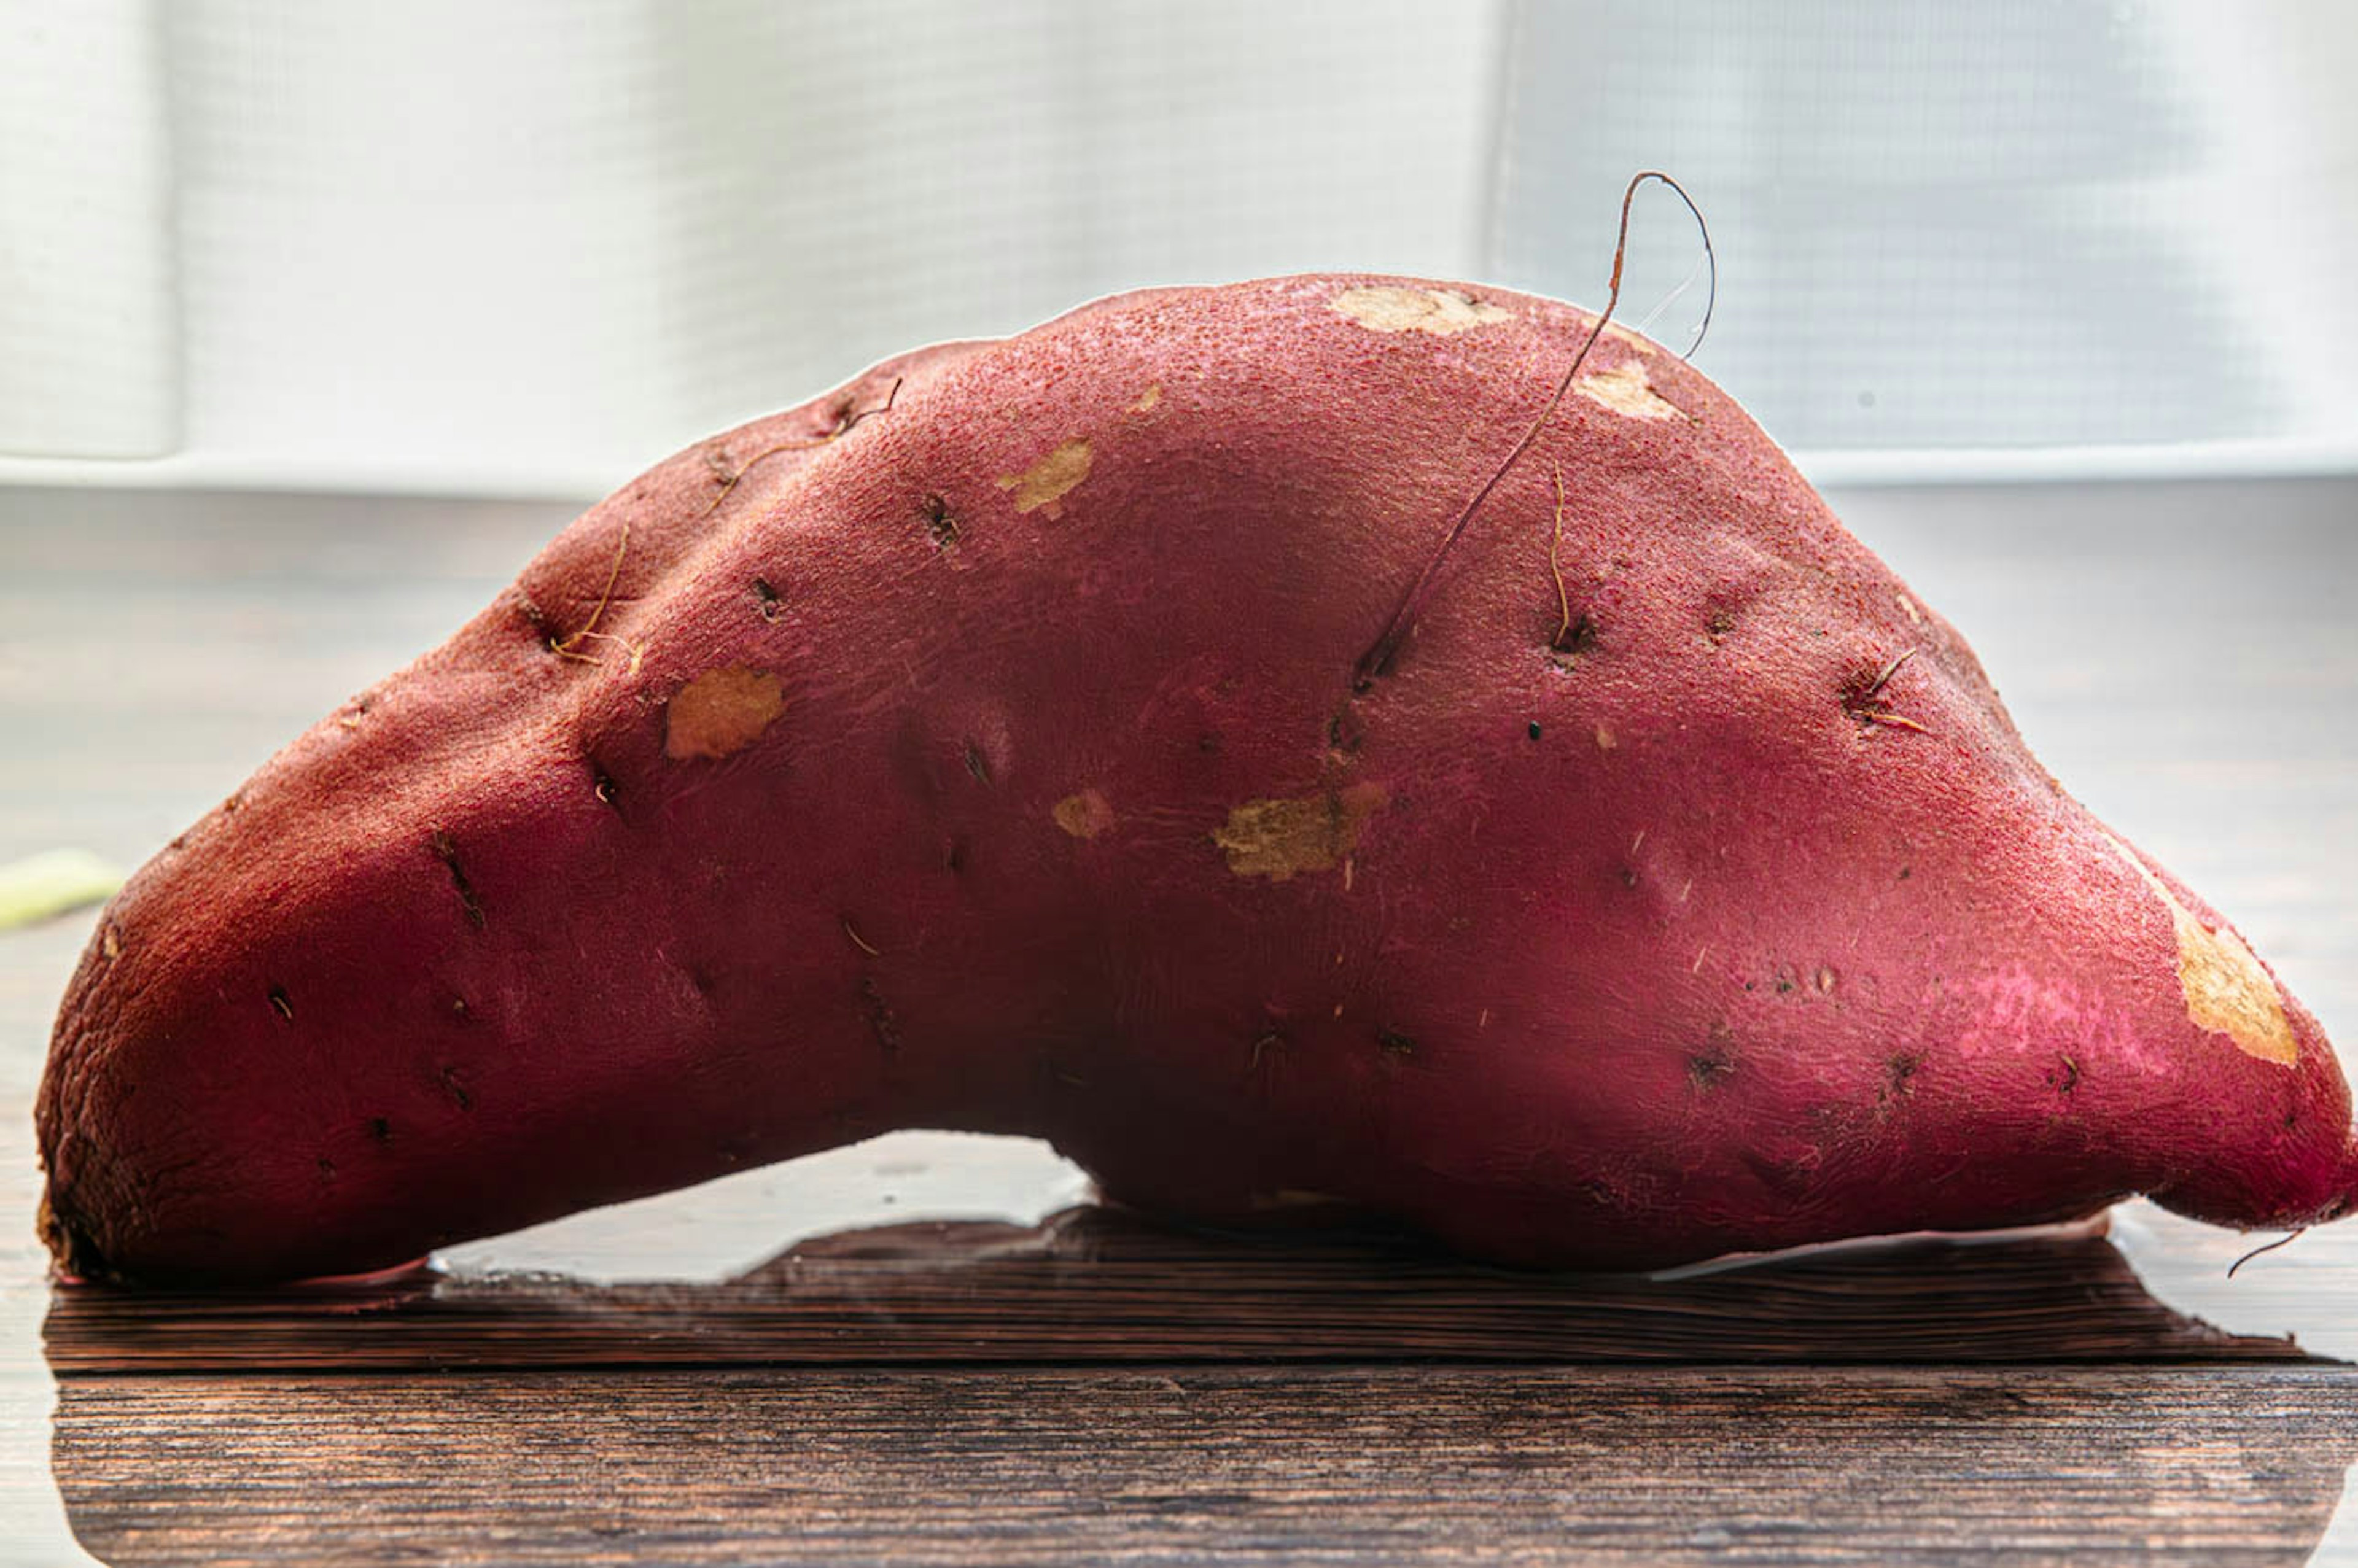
<point x="993" y="760"/>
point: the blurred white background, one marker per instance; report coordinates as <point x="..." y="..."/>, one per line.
<point x="528" y="248"/>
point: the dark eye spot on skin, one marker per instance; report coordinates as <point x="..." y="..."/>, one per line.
<point x="939" y="524"/>
<point x="1572" y="640"/>
<point x="1708" y="1070"/>
<point x="448" y="853"/>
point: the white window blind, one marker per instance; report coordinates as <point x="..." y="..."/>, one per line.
<point x="533" y="245"/>
<point x="2015" y="225"/>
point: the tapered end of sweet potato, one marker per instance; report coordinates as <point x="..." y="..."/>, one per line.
<point x="71" y="1253"/>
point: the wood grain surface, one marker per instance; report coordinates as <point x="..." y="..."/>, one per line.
<point x="1195" y="1465"/>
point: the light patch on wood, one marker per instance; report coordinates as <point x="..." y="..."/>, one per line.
<point x="1148" y="401"/>
<point x="1625" y="390"/>
<point x="1084" y="816"/>
<point x="1044" y="485"/>
<point x="1276" y="839"/>
<point x="721" y="712"/>
<point x="1439" y="311"/>
<point x="2227" y="990"/>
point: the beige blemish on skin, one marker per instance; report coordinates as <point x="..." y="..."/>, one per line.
<point x="721" y="712"/>
<point x="1625" y="390"/>
<point x="2227" y="992"/>
<point x="1148" y="401"/>
<point x="1084" y="816"/>
<point x="1439" y="311"/>
<point x="1604" y="741"/>
<point x="1630" y="339"/>
<point x="1276" y="839"/>
<point x="1046" y="482"/>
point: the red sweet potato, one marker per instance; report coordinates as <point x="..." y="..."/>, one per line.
<point x="979" y="747"/>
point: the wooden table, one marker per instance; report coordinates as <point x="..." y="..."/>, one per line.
<point x="805" y="1363"/>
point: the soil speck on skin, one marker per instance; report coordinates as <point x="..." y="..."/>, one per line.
<point x="1443" y="312"/>
<point x="1043" y="486"/>
<point x="1625" y="390"/>
<point x="721" y="712"/>
<point x="1084" y="815"/>
<point x="2226" y="988"/>
<point x="1278" y="839"/>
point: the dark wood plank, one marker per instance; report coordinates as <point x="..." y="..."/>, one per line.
<point x="1103" y="1286"/>
<point x="1188" y="1464"/>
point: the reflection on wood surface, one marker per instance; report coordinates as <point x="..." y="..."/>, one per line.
<point x="1105" y="1286"/>
<point x="1196" y="1463"/>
